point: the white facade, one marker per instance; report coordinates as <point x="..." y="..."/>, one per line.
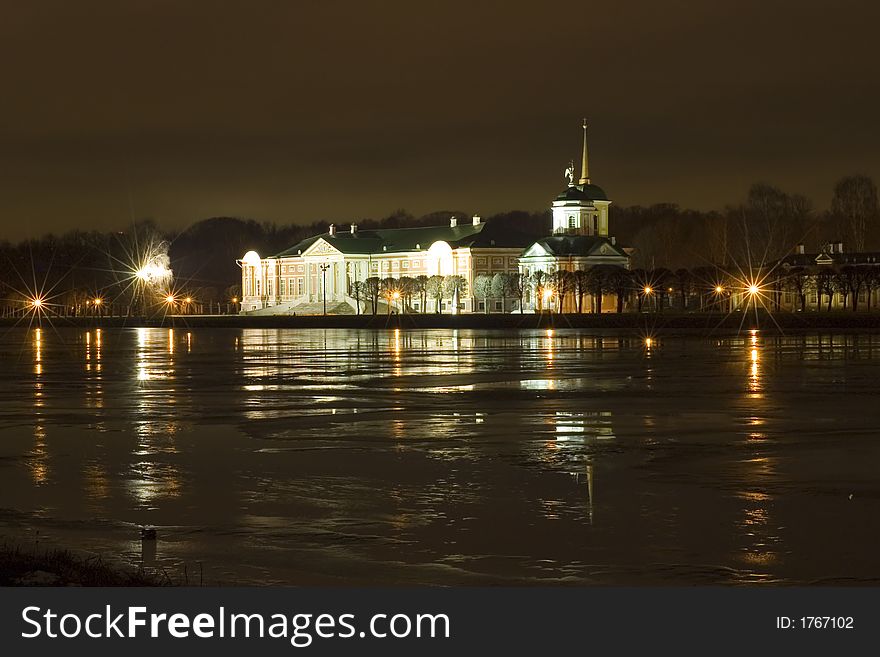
<point x="329" y="265"/>
<point x="324" y="270"/>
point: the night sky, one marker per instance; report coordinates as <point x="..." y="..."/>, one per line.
<point x="292" y="111"/>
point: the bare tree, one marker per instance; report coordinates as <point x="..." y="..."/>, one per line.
<point x="620" y="282"/>
<point x="684" y="281"/>
<point x="840" y="284"/>
<point x="455" y="287"/>
<point x="499" y="289"/>
<point x="422" y="291"/>
<point x="854" y="205"/>
<point x="581" y="285"/>
<point x="408" y="288"/>
<point x="855" y="277"/>
<point x="483" y="289"/>
<point x="799" y="280"/>
<point x="597" y="285"/>
<point x="359" y="290"/>
<point x="373" y="287"/>
<point x="562" y="282"/>
<point x="660" y="285"/>
<point x="515" y="285"/>
<point x="825" y="284"/>
<point x="434" y="288"/>
<point x="642" y="282"/>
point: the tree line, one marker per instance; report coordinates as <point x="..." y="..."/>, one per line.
<point x="764" y="227"/>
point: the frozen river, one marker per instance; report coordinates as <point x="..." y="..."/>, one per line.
<point x="447" y="457"/>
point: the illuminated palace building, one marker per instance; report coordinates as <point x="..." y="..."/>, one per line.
<point x="334" y="268"/>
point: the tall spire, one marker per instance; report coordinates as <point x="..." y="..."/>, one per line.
<point x="585" y="168"/>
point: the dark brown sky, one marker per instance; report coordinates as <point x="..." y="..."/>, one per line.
<point x="294" y="110"/>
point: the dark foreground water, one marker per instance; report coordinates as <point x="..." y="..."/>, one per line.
<point x="447" y="457"/>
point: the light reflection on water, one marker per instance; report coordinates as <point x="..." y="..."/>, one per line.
<point x="449" y="456"/>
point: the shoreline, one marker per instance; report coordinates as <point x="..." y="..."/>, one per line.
<point x="644" y="323"/>
<point x="51" y="566"/>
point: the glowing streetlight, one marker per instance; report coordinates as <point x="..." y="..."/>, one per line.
<point x="649" y="342"/>
<point x="153" y="271"/>
<point x="98" y="301"/>
<point x="37" y="303"/>
<point x="648" y="290"/>
<point x="718" y="289"/>
<point x="547" y="294"/>
<point x="169" y="299"/>
<point x="753" y="289"/>
<point x="391" y="296"/>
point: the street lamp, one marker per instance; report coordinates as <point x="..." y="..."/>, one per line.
<point x="719" y="294"/>
<point x="548" y="294"/>
<point x="393" y="296"/>
<point x="647" y="291"/>
<point x="324" y="268"/>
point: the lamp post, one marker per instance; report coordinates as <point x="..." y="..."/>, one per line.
<point x="392" y="298"/>
<point x="548" y="297"/>
<point x="719" y="295"/>
<point x="648" y="290"/>
<point x="324" y="268"/>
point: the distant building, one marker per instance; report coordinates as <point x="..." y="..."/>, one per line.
<point x="812" y="280"/>
<point x="327" y="268"/>
<point x="329" y="265"/>
<point x="580" y="238"/>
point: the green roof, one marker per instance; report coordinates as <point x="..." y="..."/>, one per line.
<point x="579" y="245"/>
<point x="583" y="193"/>
<point x="396" y="240"/>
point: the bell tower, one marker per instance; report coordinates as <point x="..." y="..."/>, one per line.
<point x="582" y="209"/>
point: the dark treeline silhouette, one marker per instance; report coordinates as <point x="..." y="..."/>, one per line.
<point x="766" y="226"/>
